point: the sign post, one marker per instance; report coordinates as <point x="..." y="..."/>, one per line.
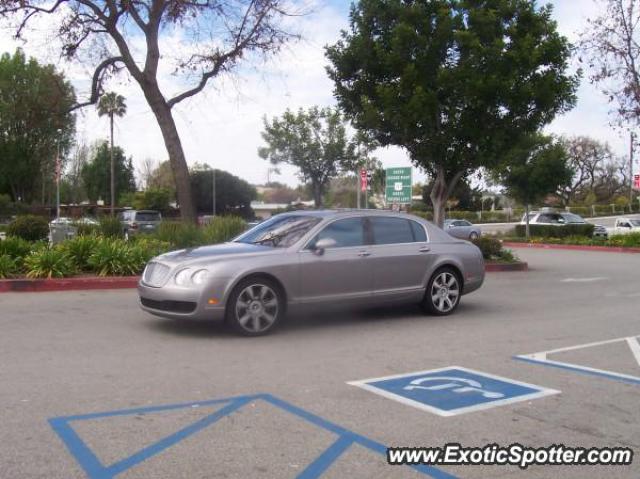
<point x="398" y="186"/>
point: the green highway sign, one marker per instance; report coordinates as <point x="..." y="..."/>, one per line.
<point x="398" y="185"/>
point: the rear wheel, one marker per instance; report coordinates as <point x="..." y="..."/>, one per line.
<point x="255" y="307"/>
<point x="443" y="292"/>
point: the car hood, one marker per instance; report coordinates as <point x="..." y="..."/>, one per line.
<point x="206" y="254"/>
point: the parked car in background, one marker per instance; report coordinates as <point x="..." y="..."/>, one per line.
<point x="139" y="221"/>
<point x="462" y="229"/>
<point x="625" y="226"/>
<point x="313" y="258"/>
<point x="572" y="218"/>
<point x="560" y="219"/>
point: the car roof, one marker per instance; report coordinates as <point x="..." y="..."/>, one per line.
<point x="337" y="213"/>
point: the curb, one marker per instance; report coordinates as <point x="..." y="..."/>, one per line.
<point x="68" y="284"/>
<point x="607" y="249"/>
<point x="503" y="267"/>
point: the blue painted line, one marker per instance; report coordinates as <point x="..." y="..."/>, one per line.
<point x="577" y="369"/>
<point x="356" y="438"/>
<point x="175" y="438"/>
<point x="78" y="449"/>
<point x="96" y="470"/>
<point x="327" y="458"/>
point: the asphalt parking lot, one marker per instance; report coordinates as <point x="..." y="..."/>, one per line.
<point x="91" y="386"/>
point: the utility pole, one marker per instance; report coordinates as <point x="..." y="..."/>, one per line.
<point x="58" y="172"/>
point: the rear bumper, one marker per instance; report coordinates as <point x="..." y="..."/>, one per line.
<point x="181" y="303"/>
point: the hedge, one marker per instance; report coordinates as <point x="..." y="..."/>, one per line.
<point x="560" y="231"/>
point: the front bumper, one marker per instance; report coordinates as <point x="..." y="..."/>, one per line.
<point x="175" y="302"/>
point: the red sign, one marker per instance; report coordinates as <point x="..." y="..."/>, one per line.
<point x="363" y="180"/>
<point x="636" y="182"/>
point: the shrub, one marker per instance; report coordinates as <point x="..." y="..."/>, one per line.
<point x="29" y="227"/>
<point x="561" y="231"/>
<point x="86" y="229"/>
<point x="110" y="227"/>
<point x="113" y="257"/>
<point x="48" y="263"/>
<point x="79" y="249"/>
<point x="490" y="247"/>
<point x="15" y="247"/>
<point x="223" y="228"/>
<point x="180" y="234"/>
<point x="630" y="240"/>
<point x="142" y="250"/>
<point x="8" y="266"/>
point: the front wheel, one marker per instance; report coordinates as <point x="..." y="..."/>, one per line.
<point x="255" y="307"/>
<point x="443" y="292"/>
<point x="473" y="236"/>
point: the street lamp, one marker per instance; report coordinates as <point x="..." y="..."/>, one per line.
<point x="58" y="167"/>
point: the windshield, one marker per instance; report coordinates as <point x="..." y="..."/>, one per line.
<point x="280" y="231"/>
<point x="571" y="218"/>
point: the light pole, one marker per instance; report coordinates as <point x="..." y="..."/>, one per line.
<point x="213" y="188"/>
<point x="58" y="175"/>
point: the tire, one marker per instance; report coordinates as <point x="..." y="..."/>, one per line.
<point x="473" y="236"/>
<point x="443" y="292"/>
<point x="255" y="307"/>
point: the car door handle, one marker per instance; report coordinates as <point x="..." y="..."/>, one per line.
<point x="364" y="253"/>
<point x="424" y="249"/>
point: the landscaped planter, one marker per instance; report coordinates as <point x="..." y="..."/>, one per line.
<point x="490" y="267"/>
<point x="68" y="284"/>
<point x="574" y="247"/>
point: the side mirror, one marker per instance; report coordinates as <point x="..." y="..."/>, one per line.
<point x="322" y="244"/>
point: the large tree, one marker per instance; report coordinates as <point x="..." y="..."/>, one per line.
<point x="532" y="169"/>
<point x="454" y="82"/>
<point x="96" y="173"/>
<point x="233" y="195"/>
<point x="611" y="46"/>
<point x="587" y="157"/>
<point x="35" y="125"/>
<point x="111" y="105"/>
<point x="111" y="36"/>
<point x="317" y="143"/>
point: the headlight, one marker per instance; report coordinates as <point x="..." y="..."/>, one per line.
<point x="199" y="276"/>
<point x="182" y="277"/>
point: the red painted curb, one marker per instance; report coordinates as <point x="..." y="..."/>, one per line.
<point x="499" y="267"/>
<point x="574" y="247"/>
<point x="68" y="284"/>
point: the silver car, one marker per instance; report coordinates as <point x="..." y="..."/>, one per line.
<point x="462" y="229"/>
<point x="313" y="258"/>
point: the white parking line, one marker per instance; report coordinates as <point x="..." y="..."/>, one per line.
<point x="584" y="280"/>
<point x="635" y="348"/>
<point x="541" y="358"/>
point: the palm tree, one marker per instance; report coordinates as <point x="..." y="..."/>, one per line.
<point x="113" y="105"/>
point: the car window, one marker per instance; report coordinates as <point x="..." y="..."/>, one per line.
<point x="280" y="231"/>
<point x="391" y="230"/>
<point x="461" y="223"/>
<point x="635" y="222"/>
<point x="418" y="232"/>
<point x="346" y="232"/>
<point x="147" y="216"/>
<point x="550" y="218"/>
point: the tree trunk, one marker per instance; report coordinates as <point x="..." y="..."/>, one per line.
<point x="317" y="195"/>
<point x="113" y="169"/>
<point x="177" y="159"/>
<point x="440" y="194"/>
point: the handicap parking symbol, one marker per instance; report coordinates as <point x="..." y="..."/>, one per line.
<point x="453" y="390"/>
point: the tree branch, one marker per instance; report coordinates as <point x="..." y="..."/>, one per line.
<point x="96" y="82"/>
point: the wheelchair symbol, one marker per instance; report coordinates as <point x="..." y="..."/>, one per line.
<point x="457" y="385"/>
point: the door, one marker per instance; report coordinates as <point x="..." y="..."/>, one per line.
<point x="401" y="256"/>
<point x="343" y="271"/>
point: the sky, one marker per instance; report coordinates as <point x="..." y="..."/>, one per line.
<point x="221" y="126"/>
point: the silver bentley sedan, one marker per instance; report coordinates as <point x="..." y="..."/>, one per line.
<point x="358" y="258"/>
